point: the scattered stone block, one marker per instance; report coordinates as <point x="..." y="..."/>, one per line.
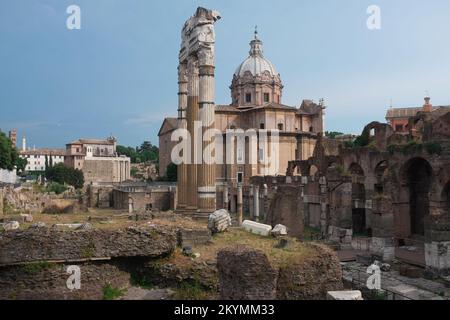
<point x="279" y="230"/>
<point x="11" y="225"/>
<point x="187" y="251"/>
<point x="345" y="295"/>
<point x="85" y="226"/>
<point x="283" y="243"/>
<point x="193" y="237"/>
<point x="62" y="226"/>
<point x="257" y="228"/>
<point x="411" y="272"/>
<point x="385" y="267"/>
<point x="38" y="225"/>
<point x="219" y="221"/>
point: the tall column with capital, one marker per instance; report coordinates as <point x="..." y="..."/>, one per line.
<point x="207" y="171"/>
<point x="182" y="171"/>
<point x="192" y="120"/>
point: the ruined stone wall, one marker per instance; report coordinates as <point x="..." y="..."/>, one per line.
<point x="247" y="274"/>
<point x="287" y="209"/>
<point x="100" y="196"/>
<point x="312" y="278"/>
<point x="49" y="244"/>
<point x="106" y="170"/>
<point x="48" y="281"/>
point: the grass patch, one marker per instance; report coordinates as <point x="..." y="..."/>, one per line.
<point x="311" y="233"/>
<point x="141" y="282"/>
<point x="112" y="293"/>
<point x="296" y="251"/>
<point x="191" y="291"/>
<point x="56" y="188"/>
<point x="36" y="267"/>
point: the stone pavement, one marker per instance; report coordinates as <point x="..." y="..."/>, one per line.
<point x="136" y="293"/>
<point x="414" y="289"/>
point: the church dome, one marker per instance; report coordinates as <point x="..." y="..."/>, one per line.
<point x="256" y="63"/>
<point x="256" y="82"/>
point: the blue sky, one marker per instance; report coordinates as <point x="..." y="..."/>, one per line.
<point x="118" y="74"/>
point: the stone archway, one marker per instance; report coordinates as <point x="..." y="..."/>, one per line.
<point x="358" y="199"/>
<point x="380" y="172"/>
<point x="446" y="199"/>
<point x="417" y="173"/>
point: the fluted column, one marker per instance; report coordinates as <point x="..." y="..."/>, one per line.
<point x="192" y="116"/>
<point x="182" y="171"/>
<point x="207" y="171"/>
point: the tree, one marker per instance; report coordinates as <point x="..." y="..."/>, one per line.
<point x="146" y="152"/>
<point x="171" y="174"/>
<point x="9" y="158"/>
<point x="62" y="174"/>
<point x="21" y="164"/>
<point x="333" y="134"/>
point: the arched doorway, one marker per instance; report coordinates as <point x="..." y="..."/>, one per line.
<point x="358" y="200"/>
<point x="380" y="171"/>
<point x="446" y="199"/>
<point x="418" y="173"/>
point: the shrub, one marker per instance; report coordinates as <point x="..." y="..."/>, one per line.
<point x="191" y="290"/>
<point x="56" y="188"/>
<point x="62" y="174"/>
<point x="433" y="148"/>
<point x="391" y="148"/>
<point x="111" y="293"/>
<point x="412" y="147"/>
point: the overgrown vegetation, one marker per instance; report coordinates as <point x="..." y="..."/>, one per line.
<point x="171" y="174"/>
<point x="9" y="158"/>
<point x="141" y="281"/>
<point x="432" y="148"/>
<point x="112" y="293"/>
<point x="146" y="152"/>
<point x="312" y="234"/>
<point x="191" y="290"/>
<point x="62" y="174"/>
<point x="36" y="267"/>
<point x="333" y="134"/>
<point x="360" y="141"/>
<point x="56" y="188"/>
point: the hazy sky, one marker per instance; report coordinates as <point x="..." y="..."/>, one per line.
<point x="118" y="74"/>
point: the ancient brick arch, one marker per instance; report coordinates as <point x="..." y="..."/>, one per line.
<point x="382" y="132"/>
<point x="356" y="169"/>
<point x="417" y="178"/>
<point x="381" y="169"/>
<point x="445" y="199"/>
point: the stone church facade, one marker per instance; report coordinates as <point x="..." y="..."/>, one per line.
<point x="257" y="107"/>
